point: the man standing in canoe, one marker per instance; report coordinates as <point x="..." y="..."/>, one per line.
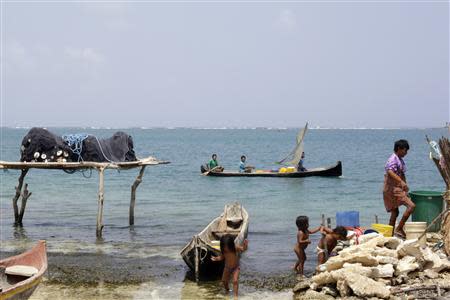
<point x="395" y="191"/>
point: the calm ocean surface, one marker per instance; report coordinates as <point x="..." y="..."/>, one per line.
<point x="174" y="201"/>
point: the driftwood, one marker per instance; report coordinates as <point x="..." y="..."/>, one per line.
<point x="443" y="166"/>
<point x="445" y="225"/>
<point x="435" y="220"/>
<point x="133" y="194"/>
<point x="420" y="288"/>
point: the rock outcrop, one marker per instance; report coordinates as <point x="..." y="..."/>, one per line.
<point x="372" y="269"/>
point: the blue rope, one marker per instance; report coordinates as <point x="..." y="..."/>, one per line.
<point x="75" y="142"/>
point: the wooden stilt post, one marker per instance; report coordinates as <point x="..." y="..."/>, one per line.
<point x="133" y="194"/>
<point x="17" y="196"/>
<point x="196" y="259"/>
<point x="101" y="171"/>
<point x="25" y="195"/>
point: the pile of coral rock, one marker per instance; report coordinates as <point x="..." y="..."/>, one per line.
<point x="380" y="267"/>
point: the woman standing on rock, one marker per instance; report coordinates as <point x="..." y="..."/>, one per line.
<point x="395" y="191"/>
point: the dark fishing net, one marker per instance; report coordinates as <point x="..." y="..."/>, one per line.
<point x="41" y="145"/>
<point x="118" y="148"/>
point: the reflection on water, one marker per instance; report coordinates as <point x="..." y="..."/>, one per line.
<point x="20" y="233"/>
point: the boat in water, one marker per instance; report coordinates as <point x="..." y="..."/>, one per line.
<point x="20" y="275"/>
<point x="331" y="171"/>
<point x="198" y="252"/>
<point x="290" y="164"/>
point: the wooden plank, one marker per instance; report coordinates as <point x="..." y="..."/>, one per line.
<point x="81" y="165"/>
<point x="197" y="261"/>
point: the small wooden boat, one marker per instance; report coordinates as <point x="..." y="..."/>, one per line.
<point x="197" y="253"/>
<point x="331" y="171"/>
<point x="21" y="274"/>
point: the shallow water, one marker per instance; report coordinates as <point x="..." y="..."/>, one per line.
<point x="186" y="290"/>
<point x="174" y="202"/>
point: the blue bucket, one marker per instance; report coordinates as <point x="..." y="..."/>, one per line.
<point x="347" y="218"/>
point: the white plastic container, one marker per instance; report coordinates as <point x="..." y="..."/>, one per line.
<point x="415" y="229"/>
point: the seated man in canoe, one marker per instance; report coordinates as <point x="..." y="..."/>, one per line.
<point x="243" y="168"/>
<point x="213" y="164"/>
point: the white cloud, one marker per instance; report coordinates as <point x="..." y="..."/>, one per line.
<point x="113" y="16"/>
<point x="118" y="24"/>
<point x="286" y="20"/>
<point x="18" y="56"/>
<point x="106" y="8"/>
<point x="86" y="55"/>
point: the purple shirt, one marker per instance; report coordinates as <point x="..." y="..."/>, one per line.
<point x="396" y="164"/>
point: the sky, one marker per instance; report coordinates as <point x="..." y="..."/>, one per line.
<point x="382" y="64"/>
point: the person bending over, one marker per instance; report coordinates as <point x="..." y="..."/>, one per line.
<point x="329" y="241"/>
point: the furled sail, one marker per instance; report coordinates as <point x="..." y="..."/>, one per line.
<point x="296" y="155"/>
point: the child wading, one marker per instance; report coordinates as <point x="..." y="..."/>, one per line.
<point x="302" y="242"/>
<point x="329" y="241"/>
<point x="395" y="191"/>
<point x="231" y="255"/>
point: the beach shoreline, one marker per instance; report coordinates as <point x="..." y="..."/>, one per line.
<point x="108" y="276"/>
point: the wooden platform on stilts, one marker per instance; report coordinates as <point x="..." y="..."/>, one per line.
<point x="22" y="189"/>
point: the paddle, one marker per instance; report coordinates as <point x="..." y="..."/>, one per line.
<point x="207" y="172"/>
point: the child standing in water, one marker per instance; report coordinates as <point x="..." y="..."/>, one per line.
<point x="302" y="241"/>
<point x="231" y="256"/>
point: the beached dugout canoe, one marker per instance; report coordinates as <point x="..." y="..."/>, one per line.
<point x="21" y="274"/>
<point x="234" y="220"/>
<point x="331" y="171"/>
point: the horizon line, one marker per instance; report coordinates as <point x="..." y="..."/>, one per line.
<point x="233" y="127"/>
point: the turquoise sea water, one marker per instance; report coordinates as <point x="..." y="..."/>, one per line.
<point x="174" y="201"/>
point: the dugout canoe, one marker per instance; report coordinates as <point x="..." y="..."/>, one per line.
<point x="234" y="220"/>
<point x="20" y="275"/>
<point x="331" y="171"/>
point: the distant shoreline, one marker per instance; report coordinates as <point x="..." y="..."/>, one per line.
<point x="223" y="128"/>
